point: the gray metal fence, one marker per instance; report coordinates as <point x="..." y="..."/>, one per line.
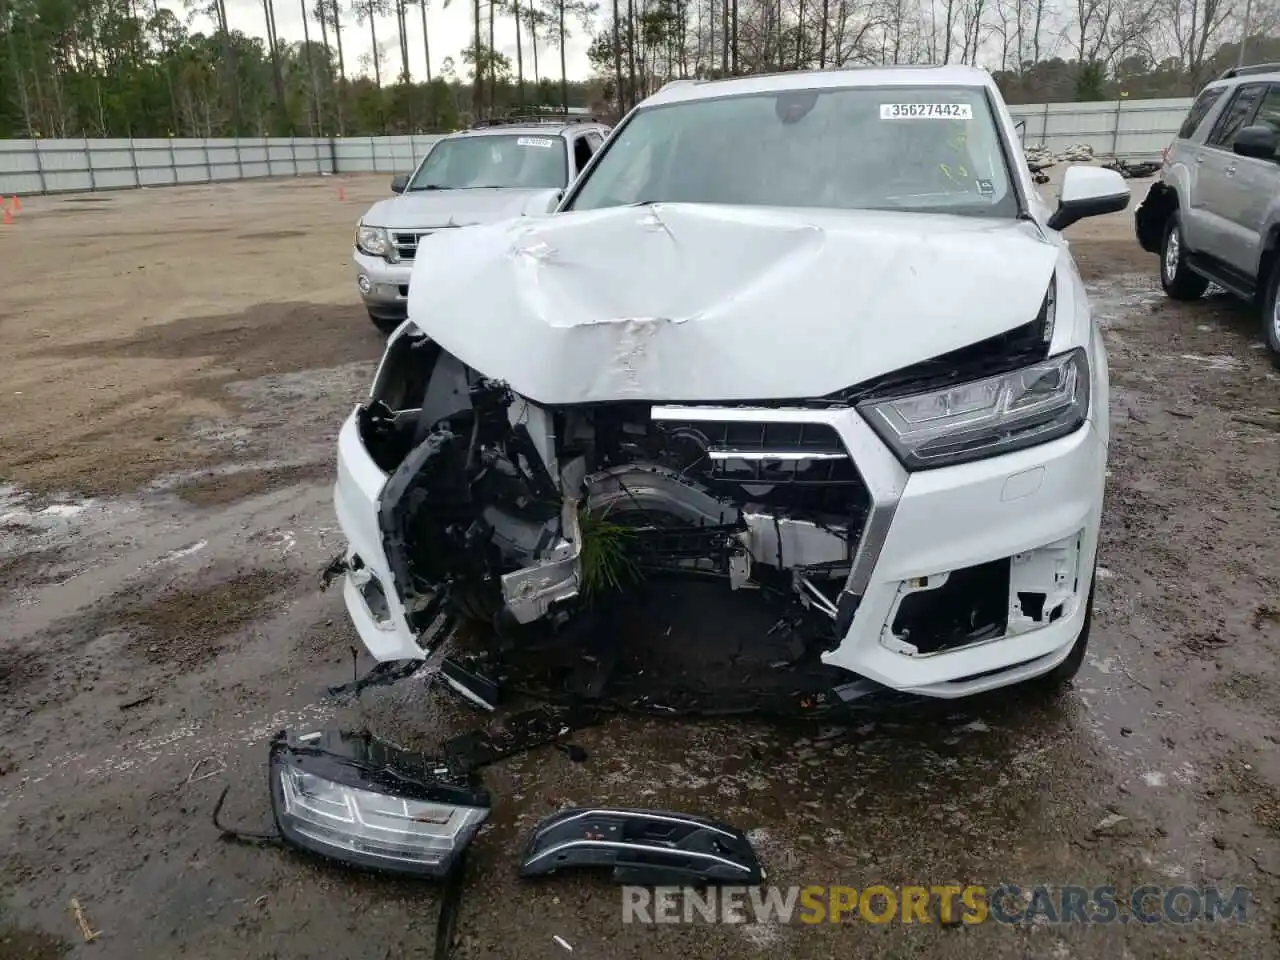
<point x="64" y="166"/>
<point x="1130" y="129"/>
<point x="380" y="154"/>
<point x="1133" y="129"/>
<point x="59" y="166"/>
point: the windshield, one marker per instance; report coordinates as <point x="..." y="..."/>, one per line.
<point x="929" y="149"/>
<point x="466" y="163"/>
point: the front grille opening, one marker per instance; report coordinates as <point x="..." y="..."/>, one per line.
<point x="811" y="472"/>
<point x="406" y="242"/>
<point x="970" y="607"/>
<point x="406" y="245"/>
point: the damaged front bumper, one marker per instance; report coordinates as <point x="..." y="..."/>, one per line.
<point x="1015" y="538"/>
<point x="957" y="580"/>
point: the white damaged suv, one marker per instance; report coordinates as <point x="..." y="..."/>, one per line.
<point x="812" y="338"/>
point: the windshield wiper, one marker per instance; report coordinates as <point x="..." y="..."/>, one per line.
<point x="427" y="186"/>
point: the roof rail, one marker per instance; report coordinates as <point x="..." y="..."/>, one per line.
<point x="1250" y="70"/>
<point x="553" y="118"/>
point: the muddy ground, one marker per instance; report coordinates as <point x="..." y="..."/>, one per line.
<point x="175" y="365"/>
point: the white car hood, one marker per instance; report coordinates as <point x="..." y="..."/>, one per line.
<point x="459" y="208"/>
<point x="693" y="302"/>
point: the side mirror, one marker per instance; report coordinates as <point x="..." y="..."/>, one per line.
<point x="1259" y="141"/>
<point x="399" y="182"/>
<point x="1021" y="127"/>
<point x="1089" y="192"/>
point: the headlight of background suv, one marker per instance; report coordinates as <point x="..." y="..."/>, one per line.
<point x="985" y="418"/>
<point x="376" y="242"/>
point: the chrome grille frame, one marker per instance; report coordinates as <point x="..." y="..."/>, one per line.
<point x="406" y="243"/>
<point x="884" y="477"/>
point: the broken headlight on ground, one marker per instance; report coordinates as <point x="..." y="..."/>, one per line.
<point x="360" y="800"/>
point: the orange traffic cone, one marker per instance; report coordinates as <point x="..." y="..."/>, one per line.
<point x="342" y="192"/>
<point x="8" y="216"/>
<point x="17" y="204"/>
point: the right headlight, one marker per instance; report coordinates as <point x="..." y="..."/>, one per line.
<point x="985" y="418"/>
<point x="375" y="241"/>
<point x="370" y="804"/>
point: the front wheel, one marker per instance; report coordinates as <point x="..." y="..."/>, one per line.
<point x="1178" y="279"/>
<point x="1271" y="314"/>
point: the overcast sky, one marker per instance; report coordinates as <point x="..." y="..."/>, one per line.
<point x="450" y="27"/>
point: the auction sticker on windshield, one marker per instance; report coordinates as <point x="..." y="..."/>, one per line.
<point x="535" y="142"/>
<point x="926" y="111"/>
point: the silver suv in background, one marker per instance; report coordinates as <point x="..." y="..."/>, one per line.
<point x="1214" y="214"/>
<point x="504" y="168"/>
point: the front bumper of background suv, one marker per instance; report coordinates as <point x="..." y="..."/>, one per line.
<point x="383" y="286"/>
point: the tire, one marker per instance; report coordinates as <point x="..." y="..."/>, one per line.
<point x="1061" y="675"/>
<point x="1270" y="309"/>
<point x="385" y="326"/>
<point x="1178" y="280"/>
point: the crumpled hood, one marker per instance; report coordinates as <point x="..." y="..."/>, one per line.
<point x="459" y="208"/>
<point x="692" y="302"/>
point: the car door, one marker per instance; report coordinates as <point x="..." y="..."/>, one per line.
<point x="1257" y="181"/>
<point x="1219" y="230"/>
<point x="1186" y="155"/>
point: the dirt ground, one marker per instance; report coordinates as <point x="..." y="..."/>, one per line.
<point x="176" y="363"/>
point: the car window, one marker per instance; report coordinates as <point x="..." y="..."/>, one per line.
<point x="1199" y="110"/>
<point x="507" y="160"/>
<point x="581" y="152"/>
<point x="934" y="149"/>
<point x="1269" y="109"/>
<point x="1237" y="115"/>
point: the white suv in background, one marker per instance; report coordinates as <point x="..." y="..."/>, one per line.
<point x="500" y="169"/>
<point x="810" y="338"/>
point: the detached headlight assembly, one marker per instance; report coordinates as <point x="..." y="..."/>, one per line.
<point x="376" y="242"/>
<point x="360" y="800"/>
<point x="985" y="418"/>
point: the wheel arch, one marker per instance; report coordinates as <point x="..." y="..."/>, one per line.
<point x="1267" y="262"/>
<point x="1162" y="202"/>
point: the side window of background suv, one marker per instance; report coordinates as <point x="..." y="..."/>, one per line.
<point x="1237" y="115"/>
<point x="1269" y="109"/>
<point x="581" y="153"/>
<point x="1199" y="110"/>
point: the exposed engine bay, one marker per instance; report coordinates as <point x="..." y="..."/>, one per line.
<point x="517" y="514"/>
